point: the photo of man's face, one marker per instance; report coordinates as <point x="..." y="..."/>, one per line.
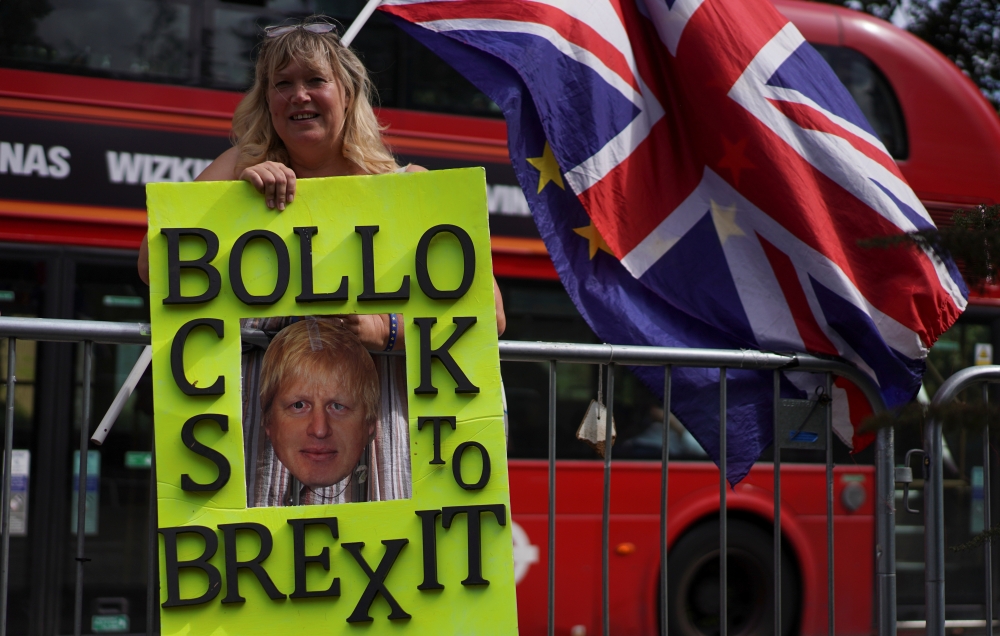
<point x="317" y="426"/>
<point x="319" y="400"/>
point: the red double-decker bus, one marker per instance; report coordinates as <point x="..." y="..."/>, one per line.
<point x="97" y="101"/>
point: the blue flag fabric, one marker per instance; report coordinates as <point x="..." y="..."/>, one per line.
<point x="702" y="179"/>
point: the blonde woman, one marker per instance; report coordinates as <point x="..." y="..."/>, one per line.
<point x="308" y="114"/>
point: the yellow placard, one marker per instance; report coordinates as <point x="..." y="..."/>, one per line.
<point x="438" y="563"/>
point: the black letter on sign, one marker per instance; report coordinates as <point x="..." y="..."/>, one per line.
<point x="456" y="466"/>
<point x="428" y="533"/>
<point x="301" y="560"/>
<point x="463" y="385"/>
<point x="306" y="266"/>
<point x="376" y="580"/>
<point x="174" y="566"/>
<point x="368" y="292"/>
<point x="475" y="538"/>
<point x="175" y="265"/>
<point x="254" y="565"/>
<point x="468" y="262"/>
<point x="177" y="358"/>
<point x="437" y="421"/>
<point x="236" y="268"/>
<point x="217" y="458"/>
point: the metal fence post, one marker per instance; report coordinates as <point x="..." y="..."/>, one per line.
<point x="606" y="513"/>
<point x="81" y="495"/>
<point x="8" y="457"/>
<point x="885" y="531"/>
<point x="777" y="506"/>
<point x="664" y="479"/>
<point x="829" y="511"/>
<point x="934" y="530"/>
<point x="552" y="498"/>
<point x="723" y="521"/>
<point x="987" y="521"/>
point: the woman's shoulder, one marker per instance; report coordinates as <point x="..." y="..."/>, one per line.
<point x="412" y="167"/>
<point x="223" y="168"/>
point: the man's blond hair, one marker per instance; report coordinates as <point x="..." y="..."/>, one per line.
<point x="313" y="345"/>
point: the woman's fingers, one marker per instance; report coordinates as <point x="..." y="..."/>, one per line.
<point x="280" y="182"/>
<point x="274" y="180"/>
<point x="289" y="183"/>
<point x="371" y="330"/>
<point x="274" y="185"/>
<point x="351" y="322"/>
<point x="250" y="175"/>
<point x="284" y="184"/>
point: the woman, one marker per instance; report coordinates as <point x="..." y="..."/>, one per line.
<point x="308" y="114"/>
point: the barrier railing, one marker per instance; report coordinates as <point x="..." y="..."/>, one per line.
<point x="90" y="332"/>
<point x="934" y="549"/>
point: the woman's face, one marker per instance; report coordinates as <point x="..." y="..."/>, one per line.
<point x="307" y="106"/>
<point x="317" y="427"/>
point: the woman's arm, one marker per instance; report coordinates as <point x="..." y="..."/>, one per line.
<point x="498" y="303"/>
<point x="222" y="169"/>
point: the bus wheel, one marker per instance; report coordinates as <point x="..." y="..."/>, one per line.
<point x="694" y="582"/>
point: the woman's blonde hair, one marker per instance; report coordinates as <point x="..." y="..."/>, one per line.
<point x="313" y="346"/>
<point x="253" y="133"/>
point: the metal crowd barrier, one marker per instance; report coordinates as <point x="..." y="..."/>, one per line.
<point x="90" y="332"/>
<point x="934" y="548"/>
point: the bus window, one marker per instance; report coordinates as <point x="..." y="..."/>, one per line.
<point x="234" y="37"/>
<point x="213" y="44"/>
<point x="435" y="86"/>
<point x="873" y="93"/>
<point x="146" y="37"/>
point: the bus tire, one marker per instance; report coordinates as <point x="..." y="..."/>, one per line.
<point x="693" y="592"/>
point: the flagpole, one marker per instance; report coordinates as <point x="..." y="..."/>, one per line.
<point x="360" y="21"/>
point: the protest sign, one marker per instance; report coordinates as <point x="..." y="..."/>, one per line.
<point x="432" y="556"/>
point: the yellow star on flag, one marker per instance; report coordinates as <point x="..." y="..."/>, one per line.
<point x="594" y="237"/>
<point x="725" y="221"/>
<point x="547" y="167"/>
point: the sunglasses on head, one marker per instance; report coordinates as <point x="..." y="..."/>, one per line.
<point x="318" y="28"/>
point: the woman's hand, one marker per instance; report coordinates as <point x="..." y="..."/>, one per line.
<point x="143" y="263"/>
<point x="274" y="180"/>
<point x="371" y="329"/>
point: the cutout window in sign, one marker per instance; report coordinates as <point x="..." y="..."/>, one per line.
<point x="330" y="451"/>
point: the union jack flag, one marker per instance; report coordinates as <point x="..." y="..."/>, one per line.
<point x="702" y="178"/>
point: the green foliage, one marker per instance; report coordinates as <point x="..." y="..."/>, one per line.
<point x="973" y="240"/>
<point x="979" y="539"/>
<point x="19" y="23"/>
<point x="966" y="31"/>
